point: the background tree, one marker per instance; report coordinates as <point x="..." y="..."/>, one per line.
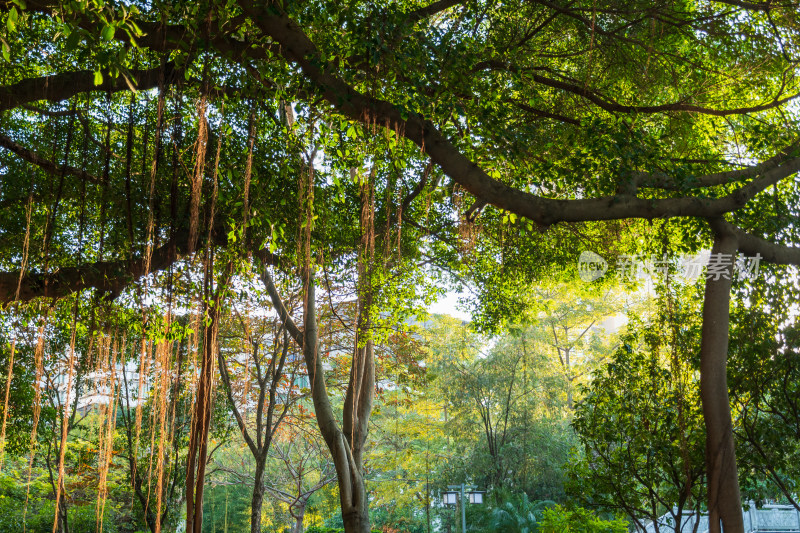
<point x="639" y="422"/>
<point x="764" y="380"/>
<point x="262" y="355"/>
<point x="559" y="114"/>
<point x="302" y="467"/>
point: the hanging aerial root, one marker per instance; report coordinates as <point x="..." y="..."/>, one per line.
<point x="174" y="401"/>
<point x="153" y="414"/>
<point x="10" y="372"/>
<point x="9" y="375"/>
<point x="25" y="243"/>
<point x="107" y="427"/>
<point x="199" y="170"/>
<point x="37" y="403"/>
<point x="164" y="353"/>
<point x="153" y="169"/>
<point x="65" y="417"/>
<point x="144" y="369"/>
<point x="248" y="170"/>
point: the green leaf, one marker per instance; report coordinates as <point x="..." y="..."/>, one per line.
<point x="108" y="32"/>
<point x="98" y="77"/>
<point x="6" y="51"/>
<point x="11" y="21"/>
<point x="72" y="41"/>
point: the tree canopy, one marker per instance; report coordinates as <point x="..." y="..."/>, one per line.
<point x="155" y="155"/>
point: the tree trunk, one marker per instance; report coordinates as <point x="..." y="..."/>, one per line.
<point x="724" y="502"/>
<point x="201" y="420"/>
<point x="352" y="490"/>
<point x="356" y="520"/>
<point x="299" y="516"/>
<point x="258" y="498"/>
<point x="347" y="444"/>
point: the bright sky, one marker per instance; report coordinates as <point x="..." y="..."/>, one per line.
<point x="448" y="305"/>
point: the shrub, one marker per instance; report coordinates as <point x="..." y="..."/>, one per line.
<point x="559" y="519"/>
<point x="322" y="529"/>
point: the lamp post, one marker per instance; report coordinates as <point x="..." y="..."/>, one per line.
<point x="451" y="497"/>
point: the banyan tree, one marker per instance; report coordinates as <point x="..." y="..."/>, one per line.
<point x="160" y="160"/>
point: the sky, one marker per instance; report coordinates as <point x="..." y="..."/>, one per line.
<point x="448" y="305"/>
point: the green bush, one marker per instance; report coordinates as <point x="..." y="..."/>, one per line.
<point x="559" y="519"/>
<point x="322" y="529"/>
<point x="517" y="514"/>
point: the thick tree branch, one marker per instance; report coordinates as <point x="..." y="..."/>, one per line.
<point x="751" y="6"/>
<point x="280" y="308"/>
<point x="297" y="48"/>
<point x="607" y="104"/>
<point x="45" y="164"/>
<point x="784" y="164"/>
<point x="64" y="85"/>
<point x="751" y="245"/>
<point x="105" y="276"/>
<point x="431" y="9"/>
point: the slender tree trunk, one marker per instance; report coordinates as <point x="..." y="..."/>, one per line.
<point x="347" y="444"/>
<point x="201" y="420"/>
<point x="258" y="498"/>
<point x="569" y="380"/>
<point x="299" y="517"/>
<point x="724" y="502"/>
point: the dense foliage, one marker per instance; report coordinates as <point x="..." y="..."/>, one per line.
<point x="220" y="219"/>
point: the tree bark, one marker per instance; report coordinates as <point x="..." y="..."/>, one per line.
<point x="724" y="501"/>
<point x="346" y="453"/>
<point x="299" y="516"/>
<point x="357" y="519"/>
<point x="258" y="498"/>
<point x="201" y="421"/>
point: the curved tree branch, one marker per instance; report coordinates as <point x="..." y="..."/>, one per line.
<point x="297" y="48"/>
<point x="105" y="276"/>
<point x="64" y="85"/>
<point x="45" y="164"/>
<point x="784" y="164"/>
<point x="751" y="245"/>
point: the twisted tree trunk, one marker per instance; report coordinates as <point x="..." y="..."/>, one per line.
<point x="299" y="516"/>
<point x="346" y="446"/>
